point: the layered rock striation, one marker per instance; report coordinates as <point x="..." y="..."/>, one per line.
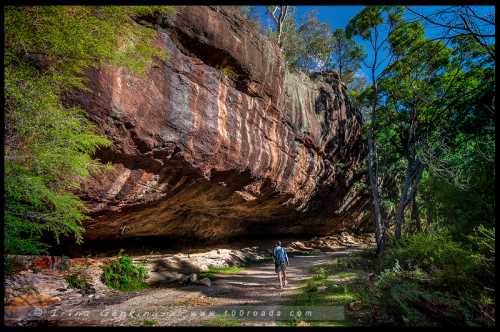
<point x="219" y="141"/>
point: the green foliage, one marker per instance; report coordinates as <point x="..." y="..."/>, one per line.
<point x="450" y="264"/>
<point x="292" y="45"/>
<point x="221" y="321"/>
<point x="312" y="46"/>
<point x="12" y="266"/>
<point x="407" y="302"/>
<point x="346" y="56"/>
<point x="227" y="70"/>
<point x="431" y="279"/>
<point x="338" y="283"/>
<point x="460" y="189"/>
<point x="483" y="239"/>
<point x="317" y="38"/>
<point x="482" y="242"/>
<point x="82" y="36"/>
<point x="412" y="301"/>
<point x="251" y="14"/>
<point x="124" y="275"/>
<point x="49" y="146"/>
<point x="434" y="103"/>
<point x="78" y="281"/>
<point x="370" y="18"/>
<point x="306" y="46"/>
<point x="213" y="271"/>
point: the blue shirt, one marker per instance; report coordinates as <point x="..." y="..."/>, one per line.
<point x="284" y="254"/>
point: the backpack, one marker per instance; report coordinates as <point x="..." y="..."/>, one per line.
<point x="279" y="255"/>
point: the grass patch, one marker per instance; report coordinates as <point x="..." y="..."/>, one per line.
<point x="213" y="271"/>
<point x="339" y="283"/>
<point x="347" y="275"/>
<point x="221" y="321"/>
<point x="149" y="322"/>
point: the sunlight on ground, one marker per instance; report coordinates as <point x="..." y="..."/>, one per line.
<point x="221" y="321"/>
<point x="213" y="271"/>
<point x="332" y="284"/>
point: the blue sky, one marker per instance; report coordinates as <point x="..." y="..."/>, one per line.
<point x="339" y="16"/>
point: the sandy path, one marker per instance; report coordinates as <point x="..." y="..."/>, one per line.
<point x="256" y="285"/>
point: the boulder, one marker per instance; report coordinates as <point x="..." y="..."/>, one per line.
<point x="205" y="282"/>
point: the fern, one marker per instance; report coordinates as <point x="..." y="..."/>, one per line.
<point x="49" y="147"/>
<point x="123" y="275"/>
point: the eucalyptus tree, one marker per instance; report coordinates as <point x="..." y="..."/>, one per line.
<point x="367" y="25"/>
<point x="292" y="45"/>
<point x="459" y="145"/>
<point x="279" y="15"/>
<point x="305" y="45"/>
<point x="411" y="86"/>
<point x="251" y="14"/>
<point x="457" y="21"/>
<point x="346" y="56"/>
<point x="433" y="102"/>
<point x="316" y="37"/>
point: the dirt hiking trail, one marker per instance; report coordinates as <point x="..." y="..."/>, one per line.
<point x="256" y="285"/>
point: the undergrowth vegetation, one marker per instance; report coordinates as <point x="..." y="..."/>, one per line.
<point x="333" y="284"/>
<point x="49" y="145"/>
<point x="77" y="280"/>
<point x="432" y="279"/>
<point x="124" y="275"/>
<point x="426" y="280"/>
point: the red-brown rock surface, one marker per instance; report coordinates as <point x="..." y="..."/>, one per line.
<point x="219" y="141"/>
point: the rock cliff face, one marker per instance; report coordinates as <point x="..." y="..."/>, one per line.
<point x="219" y="141"/>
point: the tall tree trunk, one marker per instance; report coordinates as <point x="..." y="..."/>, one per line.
<point x="279" y="20"/>
<point x="377" y="214"/>
<point x="415" y="172"/>
<point x="403" y="200"/>
<point x="280" y="29"/>
<point x="429" y="213"/>
<point x="410" y="174"/>
<point x="372" y="159"/>
<point x="415" y="213"/>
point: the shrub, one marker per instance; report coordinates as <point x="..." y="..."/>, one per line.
<point x="12" y="266"/>
<point x="482" y="242"/>
<point x="123" y="274"/>
<point x="448" y="261"/>
<point x="432" y="279"/>
<point x="483" y="238"/>
<point x="50" y="146"/>
<point x="77" y="281"/>
<point x="387" y="277"/>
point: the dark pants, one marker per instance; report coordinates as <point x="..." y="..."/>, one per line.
<point x="280" y="267"/>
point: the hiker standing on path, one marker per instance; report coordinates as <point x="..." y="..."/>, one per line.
<point x="280" y="263"/>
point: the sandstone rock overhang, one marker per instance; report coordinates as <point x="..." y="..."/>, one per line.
<point x="219" y="141"/>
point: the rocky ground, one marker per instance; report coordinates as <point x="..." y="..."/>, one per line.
<point x="38" y="292"/>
